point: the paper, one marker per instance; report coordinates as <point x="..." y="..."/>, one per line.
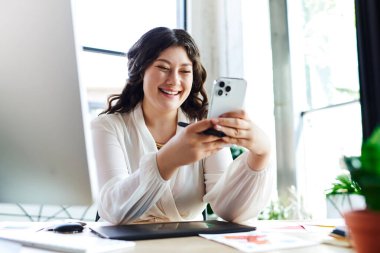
<point x="9" y="247"/>
<point x="259" y="241"/>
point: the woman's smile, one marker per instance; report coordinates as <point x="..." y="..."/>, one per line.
<point x="169" y="92"/>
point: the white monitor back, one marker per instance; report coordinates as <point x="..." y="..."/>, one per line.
<point x="45" y="149"/>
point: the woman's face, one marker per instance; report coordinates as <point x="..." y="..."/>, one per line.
<point x="167" y="81"/>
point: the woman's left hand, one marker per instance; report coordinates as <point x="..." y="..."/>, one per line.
<point x="241" y="131"/>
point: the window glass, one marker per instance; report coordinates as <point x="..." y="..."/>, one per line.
<point x="326" y="87"/>
<point x="117" y="24"/>
<point x="330" y="52"/>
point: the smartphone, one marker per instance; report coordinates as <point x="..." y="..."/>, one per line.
<point x="227" y="95"/>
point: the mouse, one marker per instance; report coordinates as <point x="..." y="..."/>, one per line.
<point x="71" y="227"/>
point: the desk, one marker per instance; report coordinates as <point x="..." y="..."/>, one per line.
<point x="197" y="244"/>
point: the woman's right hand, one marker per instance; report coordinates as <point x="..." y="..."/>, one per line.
<point x="188" y="146"/>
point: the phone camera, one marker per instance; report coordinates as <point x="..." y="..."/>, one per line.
<point x="228" y="88"/>
<point x="220" y="92"/>
<point x="221" y="84"/>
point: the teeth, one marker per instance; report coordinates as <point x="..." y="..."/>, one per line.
<point x="170" y="92"/>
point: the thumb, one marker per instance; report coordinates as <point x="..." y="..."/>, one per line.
<point x="200" y="126"/>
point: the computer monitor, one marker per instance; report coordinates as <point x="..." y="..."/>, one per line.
<point x="45" y="145"/>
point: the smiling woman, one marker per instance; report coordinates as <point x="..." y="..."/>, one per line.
<point x="150" y="169"/>
<point x="165" y="62"/>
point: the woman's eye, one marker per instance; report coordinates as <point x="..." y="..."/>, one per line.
<point x="163" y="68"/>
<point x="186" y="71"/>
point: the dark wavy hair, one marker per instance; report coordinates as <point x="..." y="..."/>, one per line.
<point x="142" y="54"/>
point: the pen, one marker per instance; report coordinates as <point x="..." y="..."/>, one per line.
<point x="321" y="226"/>
<point x="210" y="131"/>
<point x="183" y="124"/>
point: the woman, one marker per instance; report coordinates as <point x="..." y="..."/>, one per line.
<point x="152" y="170"/>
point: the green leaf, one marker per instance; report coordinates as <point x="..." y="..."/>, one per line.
<point x="343" y="184"/>
<point x="370" y="157"/>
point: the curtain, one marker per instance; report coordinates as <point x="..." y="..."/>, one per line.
<point x="368" y="39"/>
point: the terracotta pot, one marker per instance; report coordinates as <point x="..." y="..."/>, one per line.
<point x="364" y="230"/>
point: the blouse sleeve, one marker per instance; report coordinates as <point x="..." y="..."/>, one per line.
<point x="123" y="196"/>
<point x="235" y="192"/>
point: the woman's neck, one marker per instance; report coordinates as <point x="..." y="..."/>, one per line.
<point x="162" y="126"/>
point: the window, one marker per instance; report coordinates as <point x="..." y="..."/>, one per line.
<point x="325" y="80"/>
<point x="328" y="44"/>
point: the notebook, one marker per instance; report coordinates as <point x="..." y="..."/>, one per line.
<point x="167" y="229"/>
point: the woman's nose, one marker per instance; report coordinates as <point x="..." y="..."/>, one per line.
<point x="174" y="78"/>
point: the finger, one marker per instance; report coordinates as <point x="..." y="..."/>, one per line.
<point x="238" y="133"/>
<point x="233" y="123"/>
<point x="241" y="114"/>
<point x="236" y="141"/>
<point x="200" y="126"/>
<point x="236" y="128"/>
<point x="205" y="135"/>
<point x="198" y="129"/>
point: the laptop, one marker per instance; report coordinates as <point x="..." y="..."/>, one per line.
<point x="168" y="229"/>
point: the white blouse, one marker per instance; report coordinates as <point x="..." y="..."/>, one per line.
<point x="132" y="189"/>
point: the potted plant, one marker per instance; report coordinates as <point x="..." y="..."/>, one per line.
<point x="343" y="195"/>
<point x="364" y="225"/>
